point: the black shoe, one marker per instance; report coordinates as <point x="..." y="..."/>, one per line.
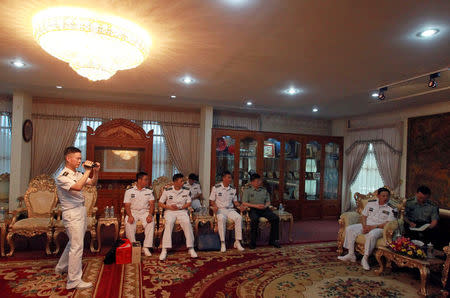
<point x="252" y="246"/>
<point x="275" y="244"/>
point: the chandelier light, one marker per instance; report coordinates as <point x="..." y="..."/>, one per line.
<point x="95" y="45"/>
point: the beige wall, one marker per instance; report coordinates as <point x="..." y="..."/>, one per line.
<point x="339" y="128"/>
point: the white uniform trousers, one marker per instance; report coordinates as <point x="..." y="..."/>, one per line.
<point x="74" y="221"/>
<point x="222" y="215"/>
<point x="149" y="228"/>
<point x="352" y="232"/>
<point x="182" y="216"/>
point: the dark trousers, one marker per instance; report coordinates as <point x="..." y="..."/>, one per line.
<point x="427" y="236"/>
<point x="274" y="220"/>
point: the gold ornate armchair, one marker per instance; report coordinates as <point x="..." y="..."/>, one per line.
<point x="90" y="197"/>
<point x="162" y="222"/>
<point x="40" y="201"/>
<point x="4" y="191"/>
<point x="354" y="217"/>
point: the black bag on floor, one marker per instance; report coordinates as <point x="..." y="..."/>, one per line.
<point x="209" y="241"/>
<point x="110" y="257"/>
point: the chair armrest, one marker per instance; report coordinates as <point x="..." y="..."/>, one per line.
<point x="191" y="212"/>
<point x="349" y="218"/>
<point x="15" y="214"/>
<point x="389" y="229"/>
<point x="122" y="216"/>
<point x="94" y="212"/>
<point x="57" y="212"/>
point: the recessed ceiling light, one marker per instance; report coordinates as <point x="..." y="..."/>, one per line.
<point x="173" y="96"/>
<point x="428" y="33"/>
<point x="292" y="91"/>
<point x="18" y="63"/>
<point x="59" y="87"/>
<point x="375" y="94"/>
<point x="315" y="109"/>
<point x="248" y="103"/>
<point x="187" y="80"/>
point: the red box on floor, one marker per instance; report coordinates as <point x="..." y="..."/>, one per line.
<point x="123" y="253"/>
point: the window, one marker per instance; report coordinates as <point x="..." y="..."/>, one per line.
<point x="369" y="178"/>
<point x="80" y="137"/>
<point x="5" y="142"/>
<point x="161" y="165"/>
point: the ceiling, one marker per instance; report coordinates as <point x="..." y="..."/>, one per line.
<point x="336" y="52"/>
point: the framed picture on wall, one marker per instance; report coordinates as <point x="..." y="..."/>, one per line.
<point x="269" y="150"/>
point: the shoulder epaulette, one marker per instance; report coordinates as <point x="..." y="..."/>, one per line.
<point x="169" y="188"/>
<point x="372" y="200"/>
<point x="231" y="186"/>
<point x="184" y="187"/>
<point x="217" y="185"/>
<point x="65" y="173"/>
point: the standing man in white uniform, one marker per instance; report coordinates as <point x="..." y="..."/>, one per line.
<point x="176" y="200"/>
<point x="196" y="192"/>
<point x="223" y="199"/>
<point x="375" y="216"/>
<point x="139" y="205"/>
<point x="69" y="185"/>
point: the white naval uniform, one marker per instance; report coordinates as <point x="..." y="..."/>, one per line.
<point x="195" y="190"/>
<point x="140" y="205"/>
<point x="74" y="220"/>
<point x="224" y="198"/>
<point x="179" y="198"/>
<point x="376" y="215"/>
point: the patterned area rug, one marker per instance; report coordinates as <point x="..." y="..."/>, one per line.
<point x="308" y="270"/>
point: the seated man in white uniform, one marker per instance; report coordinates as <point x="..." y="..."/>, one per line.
<point x="69" y="184"/>
<point x="375" y="216"/>
<point x="223" y="199"/>
<point x="139" y="205"/>
<point x="196" y="192"/>
<point x="176" y="200"/>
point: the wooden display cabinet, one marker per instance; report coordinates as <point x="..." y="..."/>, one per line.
<point x="304" y="172"/>
<point x="123" y="148"/>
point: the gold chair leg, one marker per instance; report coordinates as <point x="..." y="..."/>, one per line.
<point x="93" y="239"/>
<point x="10" y="243"/>
<point x="55" y="239"/>
<point x="49" y="235"/>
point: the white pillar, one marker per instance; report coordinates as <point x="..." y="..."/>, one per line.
<point x="206" y="120"/>
<point x="20" y="151"/>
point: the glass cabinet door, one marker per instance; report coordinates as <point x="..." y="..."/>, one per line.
<point x="312" y="171"/>
<point x="331" y="172"/>
<point x="271" y="168"/>
<point x="292" y="153"/>
<point x="247" y="159"/>
<point x="225" y="149"/>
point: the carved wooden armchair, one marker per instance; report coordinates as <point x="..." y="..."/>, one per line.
<point x="162" y="222"/>
<point x="40" y="201"/>
<point x="354" y="217"/>
<point x="139" y="227"/>
<point x="90" y="199"/>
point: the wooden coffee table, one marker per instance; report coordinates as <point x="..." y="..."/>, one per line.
<point x="424" y="265"/>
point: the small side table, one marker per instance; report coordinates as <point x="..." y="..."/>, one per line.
<point x="424" y="265"/>
<point x="103" y="221"/>
<point x="286" y="216"/>
<point x="203" y="219"/>
<point x="3" y="229"/>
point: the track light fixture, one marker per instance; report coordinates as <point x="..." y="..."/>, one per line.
<point x="381" y="91"/>
<point x="432" y="83"/>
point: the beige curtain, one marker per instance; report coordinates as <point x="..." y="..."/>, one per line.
<point x="388" y="162"/>
<point x="51" y="135"/>
<point x="353" y="161"/>
<point x="183" y="146"/>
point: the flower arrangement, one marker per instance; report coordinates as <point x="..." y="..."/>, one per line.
<point x="405" y="246"/>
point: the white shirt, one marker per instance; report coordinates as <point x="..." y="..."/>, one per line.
<point x="378" y="214"/>
<point x="139" y="199"/>
<point x="175" y="197"/>
<point x="223" y="196"/>
<point x="68" y="198"/>
<point x="195" y="188"/>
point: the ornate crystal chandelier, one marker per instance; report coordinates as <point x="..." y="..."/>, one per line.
<point x="94" y="45"/>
